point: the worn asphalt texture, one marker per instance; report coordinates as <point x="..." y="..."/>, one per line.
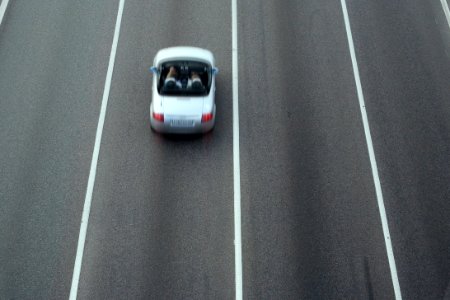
<point x="161" y="224"/>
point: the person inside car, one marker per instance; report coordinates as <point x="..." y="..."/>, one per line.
<point x="195" y="81"/>
<point x="171" y="80"/>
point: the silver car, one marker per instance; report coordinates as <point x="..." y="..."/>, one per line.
<point x="183" y="91"/>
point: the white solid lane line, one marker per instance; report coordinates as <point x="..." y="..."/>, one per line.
<point x="446" y="11"/>
<point x="236" y="160"/>
<point x="3" y="7"/>
<point x="93" y="171"/>
<point x="373" y="163"/>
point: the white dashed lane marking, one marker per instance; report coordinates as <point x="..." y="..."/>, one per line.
<point x="3" y="7"/>
<point x="93" y="171"/>
<point x="236" y="159"/>
<point x="373" y="162"/>
<point x="446" y="11"/>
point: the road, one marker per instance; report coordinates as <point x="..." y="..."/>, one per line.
<point x="161" y="222"/>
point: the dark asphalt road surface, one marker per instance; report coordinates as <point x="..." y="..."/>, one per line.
<point x="311" y="228"/>
<point x="161" y="223"/>
<point x="53" y="61"/>
<point x="405" y="72"/>
<point x="162" y="216"/>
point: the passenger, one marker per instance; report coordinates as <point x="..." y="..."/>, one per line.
<point x="195" y="81"/>
<point x="172" y="80"/>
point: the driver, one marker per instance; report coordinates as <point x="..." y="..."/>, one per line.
<point x="172" y="78"/>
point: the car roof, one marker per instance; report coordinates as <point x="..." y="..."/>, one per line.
<point x="183" y="53"/>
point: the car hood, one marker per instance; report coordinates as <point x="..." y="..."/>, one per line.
<point x="183" y="106"/>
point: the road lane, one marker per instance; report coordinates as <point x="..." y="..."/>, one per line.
<point x="95" y="154"/>
<point x="403" y="52"/>
<point x="373" y="163"/>
<point x="161" y="223"/>
<point x="53" y="57"/>
<point x="311" y="228"/>
<point x="162" y="219"/>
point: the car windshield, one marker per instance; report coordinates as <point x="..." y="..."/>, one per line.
<point x="191" y="78"/>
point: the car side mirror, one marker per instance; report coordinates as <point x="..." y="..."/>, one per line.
<point x="215" y="71"/>
<point x="153" y="70"/>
